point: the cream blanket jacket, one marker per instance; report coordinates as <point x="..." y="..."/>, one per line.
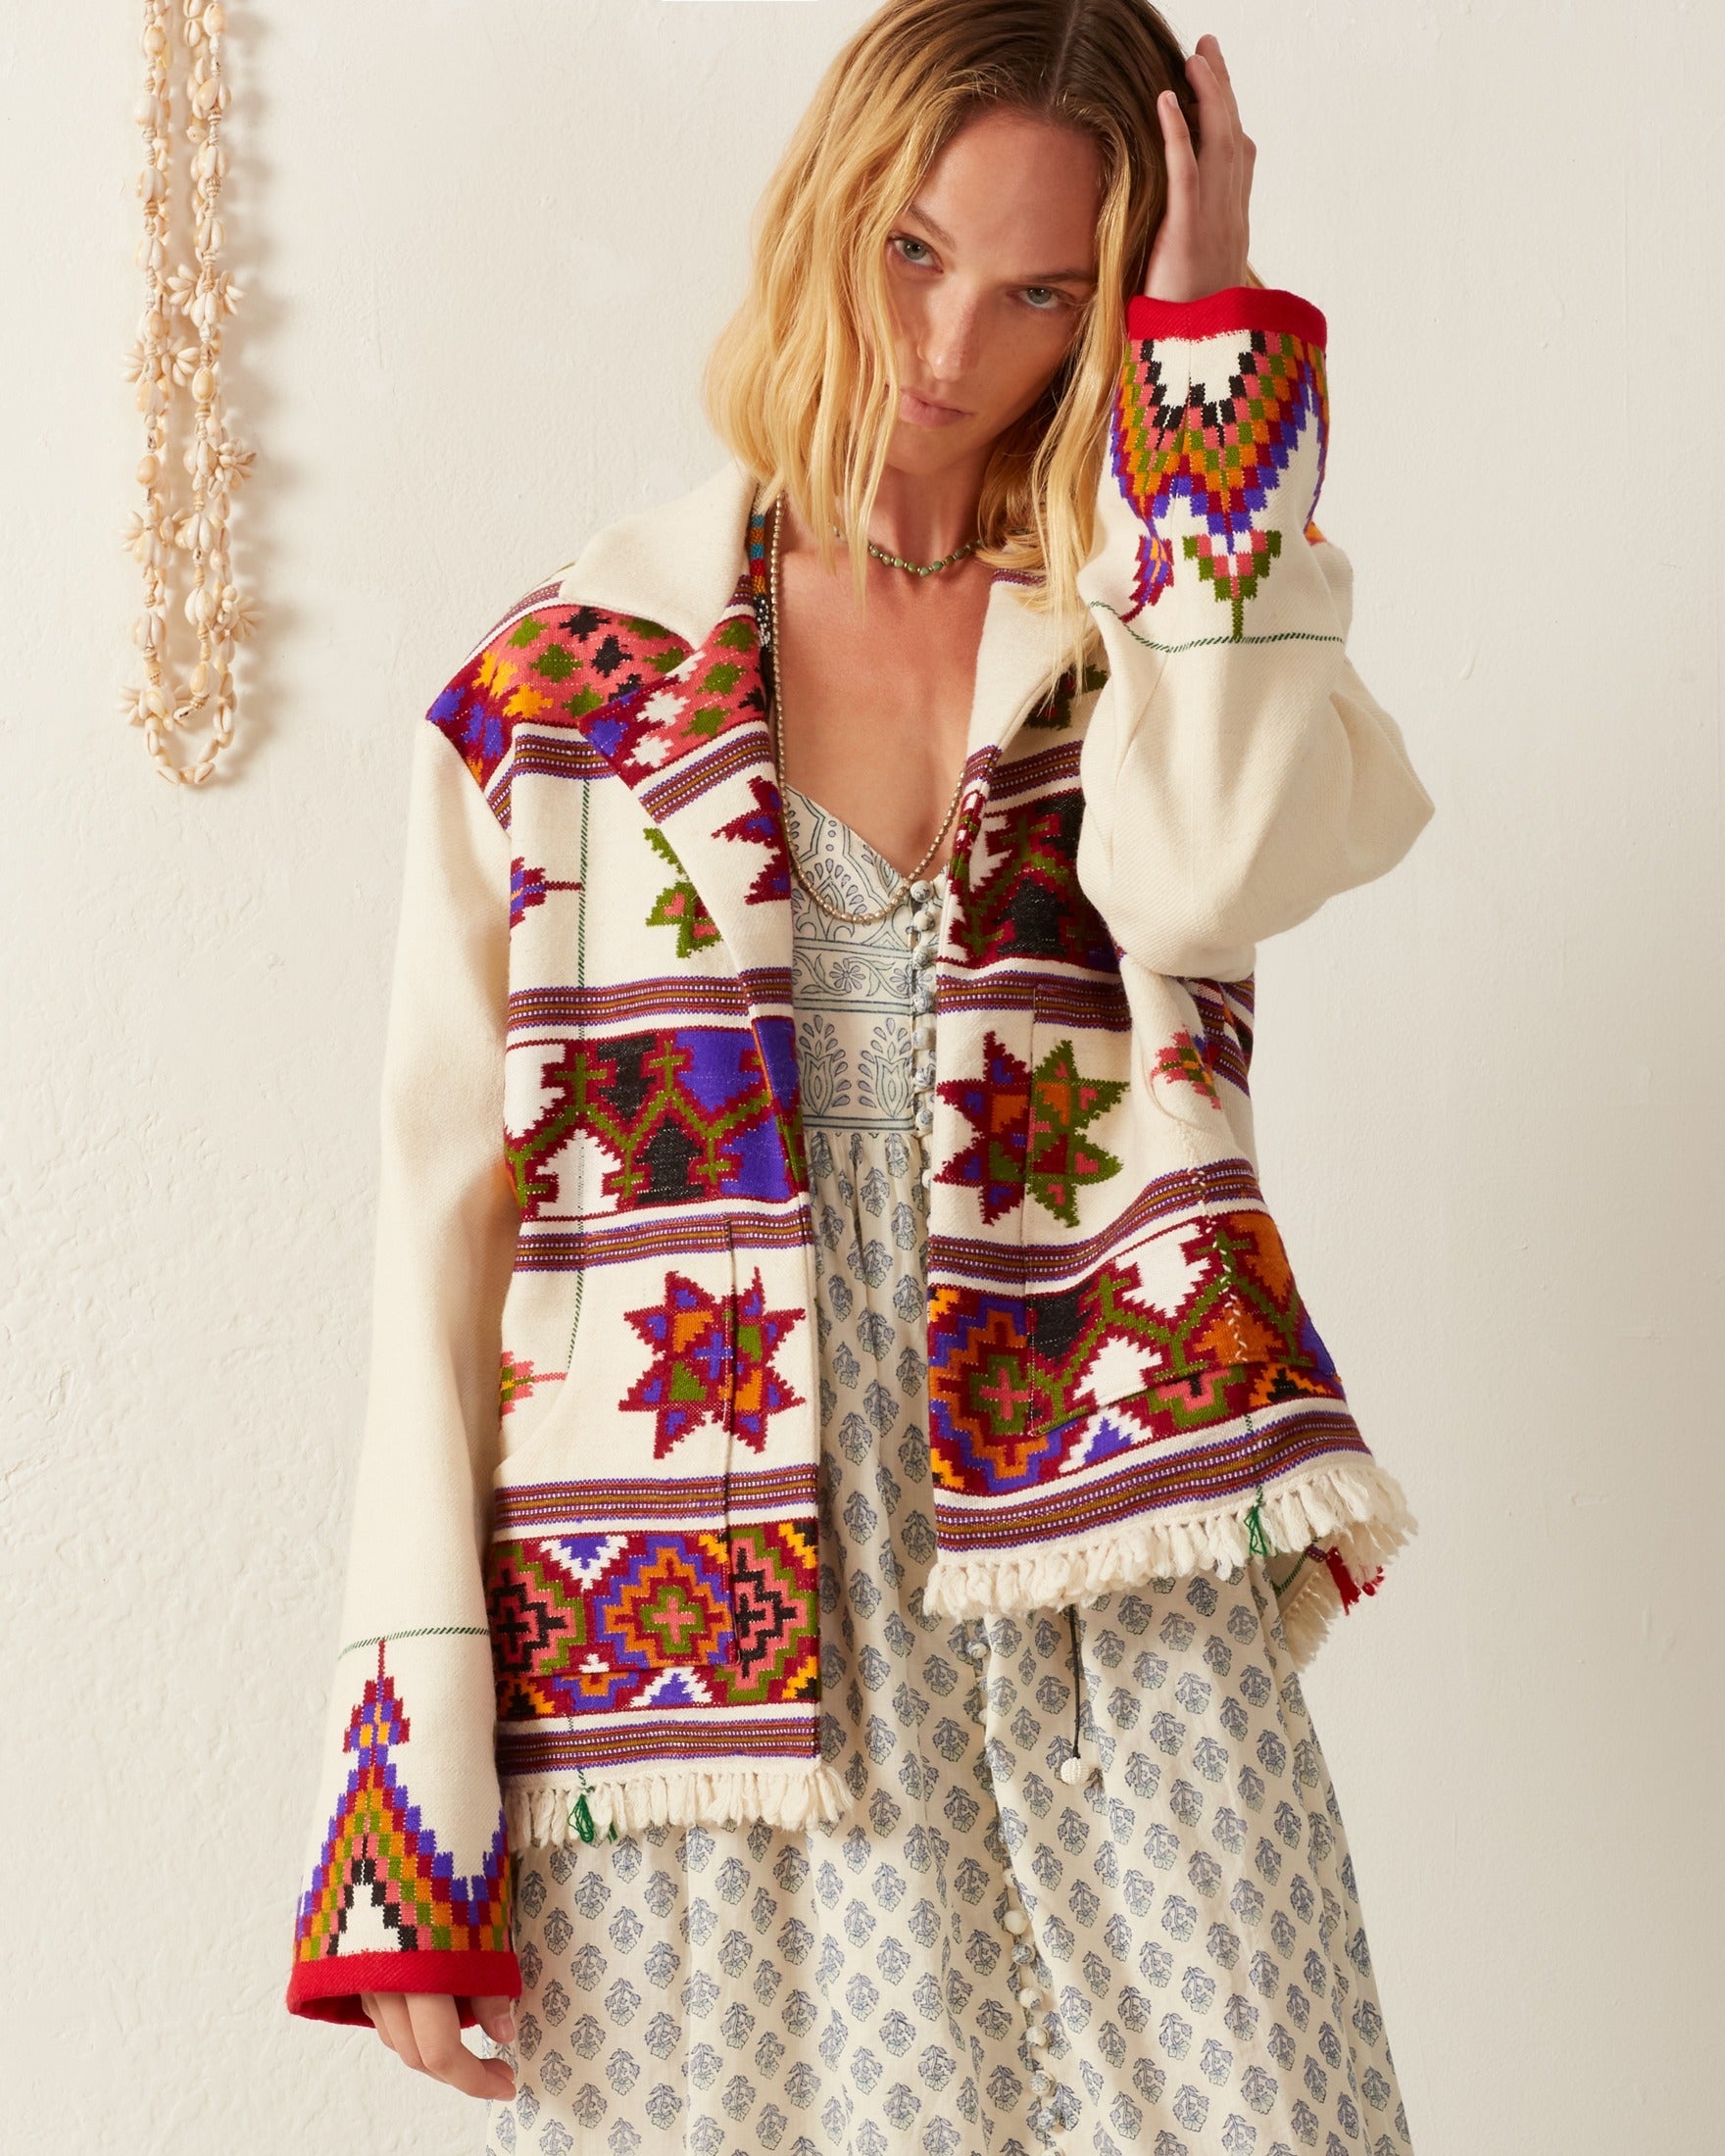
<point x="581" y="1589"/>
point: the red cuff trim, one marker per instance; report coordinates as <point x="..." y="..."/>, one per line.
<point x="328" y="1991"/>
<point x="1240" y="306"/>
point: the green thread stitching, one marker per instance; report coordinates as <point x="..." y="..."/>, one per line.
<point x="580" y="982"/>
<point x="1278" y="636"/>
<point x="423" y="1632"/>
<point x="1281" y="1587"/>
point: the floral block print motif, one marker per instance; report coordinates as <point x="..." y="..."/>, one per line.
<point x="1221" y="448"/>
<point x="1197" y="1329"/>
<point x="382" y="1876"/>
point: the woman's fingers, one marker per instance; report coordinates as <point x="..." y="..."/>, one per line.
<point x="423" y="2030"/>
<point x="369" y="2007"/>
<point x="394" y="2027"/>
<point x="1182" y="163"/>
<point x="437" y="2032"/>
<point x="1201" y="242"/>
<point x="1211" y="52"/>
<point x="497" y="2017"/>
<point x="1245" y="150"/>
<point x="1217" y="126"/>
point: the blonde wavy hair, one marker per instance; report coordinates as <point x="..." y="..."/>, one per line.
<point x="802" y="383"/>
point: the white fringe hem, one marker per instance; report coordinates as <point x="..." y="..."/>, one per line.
<point x="537" y="1813"/>
<point x="1355" y="1506"/>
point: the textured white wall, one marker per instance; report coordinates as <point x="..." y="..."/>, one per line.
<point x="485" y="244"/>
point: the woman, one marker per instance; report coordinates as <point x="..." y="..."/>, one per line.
<point x="845" y="1687"/>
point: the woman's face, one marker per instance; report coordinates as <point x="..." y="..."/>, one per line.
<point x="988" y="271"/>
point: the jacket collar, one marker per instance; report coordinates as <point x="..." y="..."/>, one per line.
<point x="683" y="563"/>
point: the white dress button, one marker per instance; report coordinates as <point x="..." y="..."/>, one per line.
<point x="1016" y="1920"/>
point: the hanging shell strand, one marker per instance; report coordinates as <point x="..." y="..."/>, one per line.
<point x="179" y="345"/>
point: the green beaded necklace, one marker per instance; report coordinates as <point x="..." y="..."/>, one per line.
<point x="916" y="569"/>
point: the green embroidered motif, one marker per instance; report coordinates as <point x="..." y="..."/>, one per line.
<point x="1059" y="1161"/>
<point x="679" y="905"/>
<point x="1222" y="572"/>
<point x="1054" y="714"/>
<point x="718" y="682"/>
<point x="1029" y="1129"/>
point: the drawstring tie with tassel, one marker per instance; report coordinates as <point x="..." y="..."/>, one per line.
<point x="1348" y="1588"/>
<point x="1083" y="1764"/>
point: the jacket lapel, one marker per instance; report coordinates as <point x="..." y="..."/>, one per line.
<point x="694" y="745"/>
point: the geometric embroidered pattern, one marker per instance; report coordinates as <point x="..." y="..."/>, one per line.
<point x="1225" y="1015"/>
<point x="712" y="1364"/>
<point x="1027" y="903"/>
<point x="1192" y="1062"/>
<point x="1223" y="456"/>
<point x="684" y="1111"/>
<point x="1054" y="714"/>
<point x="527" y="886"/>
<point x="680" y="904"/>
<point x="1014" y="1380"/>
<point x="516" y="1380"/>
<point x="1029" y="1131"/>
<point x="377" y="1846"/>
<point x="551" y="667"/>
<point x="704" y="695"/>
<point x="763" y="825"/>
<point x="655" y="1618"/>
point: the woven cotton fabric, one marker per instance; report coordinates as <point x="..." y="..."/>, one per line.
<point x="980" y="1956"/>
<point x="585" y="1554"/>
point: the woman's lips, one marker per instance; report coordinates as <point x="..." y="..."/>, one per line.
<point x="921" y="412"/>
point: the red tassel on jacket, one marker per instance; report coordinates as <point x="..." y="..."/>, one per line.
<point x="1347" y="1587"/>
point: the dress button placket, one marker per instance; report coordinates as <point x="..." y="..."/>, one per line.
<point x="1044" y="2116"/>
<point x="924" y="898"/>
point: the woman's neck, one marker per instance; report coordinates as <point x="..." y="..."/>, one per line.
<point x="925" y="516"/>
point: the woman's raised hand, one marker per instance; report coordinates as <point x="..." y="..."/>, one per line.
<point x="1200" y="245"/>
<point x="425" y="2031"/>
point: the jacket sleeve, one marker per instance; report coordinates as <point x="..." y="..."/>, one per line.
<point x="406" y="1883"/>
<point x="1236" y="772"/>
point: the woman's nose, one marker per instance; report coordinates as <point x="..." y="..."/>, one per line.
<point x="948" y="344"/>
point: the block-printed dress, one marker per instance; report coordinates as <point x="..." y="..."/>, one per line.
<point x="981" y="1956"/>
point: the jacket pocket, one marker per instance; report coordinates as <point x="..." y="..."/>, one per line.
<point x="1148" y="1249"/>
<point x="611" y="1560"/>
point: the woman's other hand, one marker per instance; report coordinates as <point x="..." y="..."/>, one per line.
<point x="1200" y="243"/>
<point x="423" y="2030"/>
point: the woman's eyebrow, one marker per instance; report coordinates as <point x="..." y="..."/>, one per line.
<point x="1042" y="276"/>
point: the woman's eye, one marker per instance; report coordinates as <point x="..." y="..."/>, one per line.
<point x="903" y="239"/>
<point x="1052" y="293"/>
